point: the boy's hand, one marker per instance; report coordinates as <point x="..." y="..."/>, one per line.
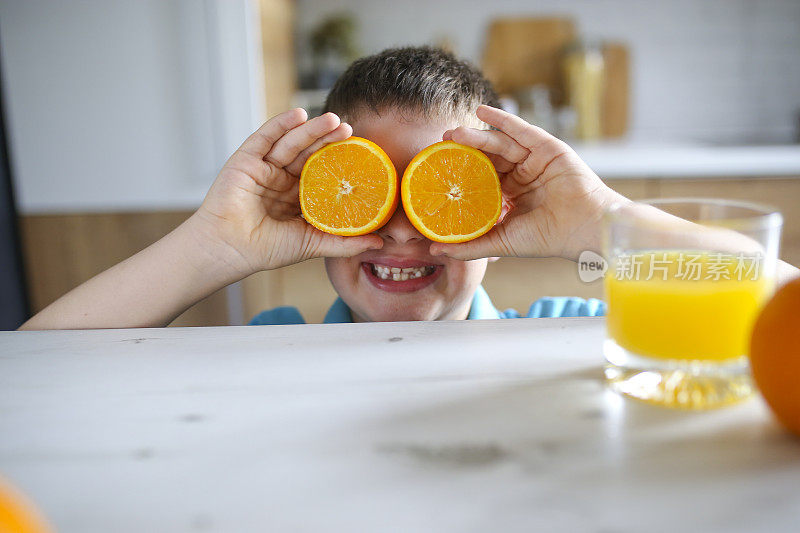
<point x="252" y="210"/>
<point x="556" y="201"/>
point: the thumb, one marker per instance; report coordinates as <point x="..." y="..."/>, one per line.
<point x="488" y="245"/>
<point x="327" y="245"/>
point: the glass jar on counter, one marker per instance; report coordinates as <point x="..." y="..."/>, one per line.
<point x="584" y="77"/>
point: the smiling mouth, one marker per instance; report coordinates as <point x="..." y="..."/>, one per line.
<point x="403" y="278"/>
<point x="401" y="274"/>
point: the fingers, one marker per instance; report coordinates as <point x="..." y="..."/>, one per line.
<point x="284" y="203"/>
<point x="342" y="132"/>
<point x="491" y="141"/>
<point x="320" y="244"/>
<point x="543" y="145"/>
<point x="261" y="142"/>
<point x="282" y="210"/>
<point x="292" y="149"/>
<point x="501" y="164"/>
<point x="520" y="150"/>
<point x="286" y="150"/>
<point x="493" y="244"/>
<point x="285" y="180"/>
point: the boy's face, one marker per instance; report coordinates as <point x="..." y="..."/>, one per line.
<point x="437" y="288"/>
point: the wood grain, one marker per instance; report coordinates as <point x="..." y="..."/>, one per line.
<point x="63" y="251"/>
<point x="277" y="40"/>
<point x="616" y="93"/>
<point x="522" y="52"/>
<point x="517" y="282"/>
<point x="783" y="193"/>
<point x="448" y="427"/>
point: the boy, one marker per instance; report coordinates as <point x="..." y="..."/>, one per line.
<point x="403" y="100"/>
<point x="413" y="98"/>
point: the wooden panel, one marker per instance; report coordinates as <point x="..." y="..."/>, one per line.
<point x="522" y="52"/>
<point x="262" y="291"/>
<point x="616" y="94"/>
<point x="783" y="193"/>
<point x="635" y="189"/>
<point x="511" y="282"/>
<point x="306" y="286"/>
<point x="63" y="251"/>
<point x="516" y="282"/>
<point x="280" y="76"/>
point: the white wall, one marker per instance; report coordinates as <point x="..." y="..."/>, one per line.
<point x="119" y="104"/>
<point x="723" y="70"/>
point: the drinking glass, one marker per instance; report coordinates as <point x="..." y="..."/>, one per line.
<point x="686" y="280"/>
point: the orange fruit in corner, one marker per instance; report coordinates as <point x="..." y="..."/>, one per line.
<point x="451" y="192"/>
<point x="348" y="188"/>
<point x="775" y="354"/>
<point x="17" y="513"/>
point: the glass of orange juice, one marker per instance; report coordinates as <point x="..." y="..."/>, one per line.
<point x="685" y="281"/>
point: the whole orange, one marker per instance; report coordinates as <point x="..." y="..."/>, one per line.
<point x="17" y="512"/>
<point x="775" y="354"/>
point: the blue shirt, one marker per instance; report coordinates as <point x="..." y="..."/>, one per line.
<point x="481" y="309"/>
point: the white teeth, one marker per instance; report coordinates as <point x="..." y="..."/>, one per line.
<point x="401" y="274"/>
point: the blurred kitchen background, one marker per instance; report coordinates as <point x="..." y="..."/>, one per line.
<point x="118" y="115"/>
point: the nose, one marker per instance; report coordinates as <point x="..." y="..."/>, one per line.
<point x="399" y="229"/>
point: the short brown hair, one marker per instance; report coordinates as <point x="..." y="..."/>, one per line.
<point x="422" y="79"/>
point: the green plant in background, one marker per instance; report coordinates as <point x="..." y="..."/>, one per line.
<point x="335" y="34"/>
<point x="333" y="45"/>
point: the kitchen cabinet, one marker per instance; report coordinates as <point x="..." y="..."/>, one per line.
<point x="516" y="282"/>
<point x="62" y="251"/>
<point x="151" y="116"/>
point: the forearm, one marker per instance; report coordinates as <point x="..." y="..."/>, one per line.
<point x="678" y="233"/>
<point x="149" y="289"/>
<point x="589" y="235"/>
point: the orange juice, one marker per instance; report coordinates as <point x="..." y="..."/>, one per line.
<point x="685" y="304"/>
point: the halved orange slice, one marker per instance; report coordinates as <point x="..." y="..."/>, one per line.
<point x="348" y="187"/>
<point x="451" y="192"/>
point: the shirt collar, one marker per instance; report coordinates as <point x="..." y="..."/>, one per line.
<point x="482" y="307"/>
<point x="339" y="313"/>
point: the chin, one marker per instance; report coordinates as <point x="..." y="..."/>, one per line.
<point x="398" y="314"/>
<point x="383" y="287"/>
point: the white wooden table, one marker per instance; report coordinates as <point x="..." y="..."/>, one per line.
<point x="497" y="426"/>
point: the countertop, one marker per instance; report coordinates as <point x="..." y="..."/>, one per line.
<point x="610" y="160"/>
<point x="452" y="426"/>
<point x="652" y="160"/>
